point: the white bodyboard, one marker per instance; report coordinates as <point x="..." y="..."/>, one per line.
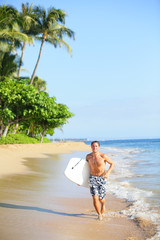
<point x="78" y="171"/>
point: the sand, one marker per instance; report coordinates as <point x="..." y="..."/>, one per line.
<point x="12" y="155"/>
<point x="38" y="202"/>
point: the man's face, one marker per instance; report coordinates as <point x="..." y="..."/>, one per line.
<point x="95" y="147"/>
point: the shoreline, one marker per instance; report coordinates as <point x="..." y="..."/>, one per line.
<point x="14" y="154"/>
<point x="25" y="198"/>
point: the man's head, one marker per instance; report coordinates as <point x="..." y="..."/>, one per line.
<point x="95" y="145"/>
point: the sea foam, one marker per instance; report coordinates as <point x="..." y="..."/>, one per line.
<point x="124" y="182"/>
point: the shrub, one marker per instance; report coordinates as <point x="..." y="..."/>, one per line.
<point x="21" y="139"/>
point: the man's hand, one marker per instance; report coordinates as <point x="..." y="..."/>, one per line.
<point x="106" y="174"/>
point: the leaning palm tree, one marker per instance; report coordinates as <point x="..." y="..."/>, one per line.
<point x="51" y="29"/>
<point x="26" y="20"/>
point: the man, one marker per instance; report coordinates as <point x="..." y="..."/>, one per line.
<point x="98" y="177"/>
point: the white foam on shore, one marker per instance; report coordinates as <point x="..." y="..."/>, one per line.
<point x="125" y="162"/>
<point x="139" y="206"/>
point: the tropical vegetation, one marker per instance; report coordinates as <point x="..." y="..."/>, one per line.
<point x="26" y="109"/>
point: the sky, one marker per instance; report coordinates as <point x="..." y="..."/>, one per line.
<point x="112" y="81"/>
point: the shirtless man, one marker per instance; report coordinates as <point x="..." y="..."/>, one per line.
<point x="98" y="177"/>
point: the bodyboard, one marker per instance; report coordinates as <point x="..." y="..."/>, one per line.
<point x="78" y="171"/>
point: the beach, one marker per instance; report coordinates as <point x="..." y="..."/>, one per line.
<point x="12" y="156"/>
<point x="38" y="202"/>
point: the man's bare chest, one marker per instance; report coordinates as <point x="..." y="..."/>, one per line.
<point x="97" y="161"/>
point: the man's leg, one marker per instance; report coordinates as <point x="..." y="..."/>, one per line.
<point x="102" y="205"/>
<point x="102" y="194"/>
<point x="97" y="206"/>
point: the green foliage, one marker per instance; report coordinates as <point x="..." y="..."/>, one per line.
<point x="11" y="38"/>
<point x="28" y="109"/>
<point x="8" y="65"/>
<point x="20" y="27"/>
<point x="40" y="84"/>
<point x="45" y="140"/>
<point x="21" y="139"/>
<point x="17" y="100"/>
<point x="9" y="27"/>
<point x="35" y="112"/>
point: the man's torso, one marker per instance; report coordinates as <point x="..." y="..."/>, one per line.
<point x="97" y="164"/>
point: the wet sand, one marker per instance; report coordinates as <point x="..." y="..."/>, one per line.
<point x="40" y="203"/>
<point x="12" y="156"/>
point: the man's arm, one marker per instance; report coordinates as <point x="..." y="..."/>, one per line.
<point x="109" y="161"/>
<point x="87" y="157"/>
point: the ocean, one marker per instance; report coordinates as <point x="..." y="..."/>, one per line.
<point x="136" y="176"/>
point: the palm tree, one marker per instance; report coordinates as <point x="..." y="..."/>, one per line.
<point x="50" y="30"/>
<point x="10" y="39"/>
<point x="26" y="20"/>
<point x="40" y="84"/>
<point x="9" y="29"/>
<point x="8" y="15"/>
<point x="8" y="66"/>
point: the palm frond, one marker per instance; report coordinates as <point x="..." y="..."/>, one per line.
<point x="61" y="30"/>
<point x="57" y="41"/>
<point x="56" y="15"/>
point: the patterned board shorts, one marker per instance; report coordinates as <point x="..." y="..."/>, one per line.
<point x="98" y="186"/>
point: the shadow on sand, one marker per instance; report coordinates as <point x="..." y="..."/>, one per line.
<point x="6" y="205"/>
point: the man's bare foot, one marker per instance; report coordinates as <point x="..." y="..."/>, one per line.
<point x="100" y="217"/>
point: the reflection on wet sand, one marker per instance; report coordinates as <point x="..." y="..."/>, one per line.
<point x="43" y="204"/>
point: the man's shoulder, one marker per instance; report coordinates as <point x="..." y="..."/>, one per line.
<point x="102" y="154"/>
<point x="89" y="155"/>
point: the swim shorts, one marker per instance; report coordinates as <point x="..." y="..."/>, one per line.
<point x="98" y="186"/>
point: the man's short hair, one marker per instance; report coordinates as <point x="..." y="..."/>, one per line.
<point x="95" y="142"/>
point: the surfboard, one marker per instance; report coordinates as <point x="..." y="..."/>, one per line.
<point x="78" y="171"/>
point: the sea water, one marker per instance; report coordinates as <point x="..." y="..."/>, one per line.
<point x="136" y="176"/>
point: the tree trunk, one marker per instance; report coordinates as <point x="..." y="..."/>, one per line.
<point x="28" y="131"/>
<point x="42" y="135"/>
<point x="21" y="60"/>
<point x="40" y="52"/>
<point x="1" y="128"/>
<point x="6" y="130"/>
<point x="15" y="129"/>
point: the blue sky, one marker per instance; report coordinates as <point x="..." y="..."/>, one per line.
<point x="112" y="82"/>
